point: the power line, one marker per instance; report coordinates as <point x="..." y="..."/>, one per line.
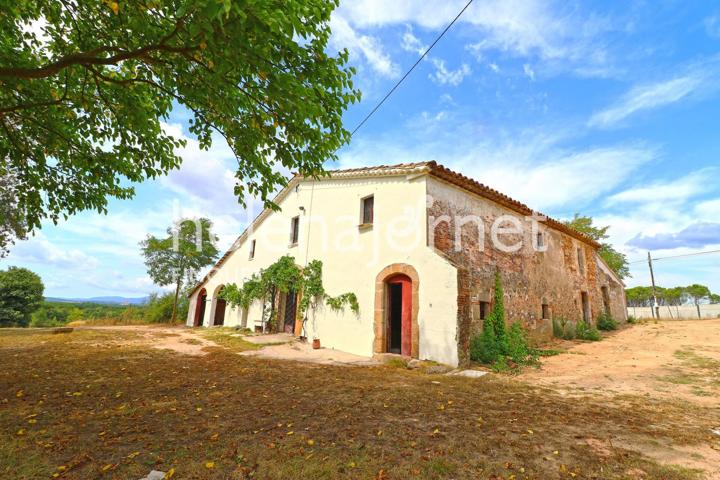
<point x="678" y="256"/>
<point x="399" y="82"/>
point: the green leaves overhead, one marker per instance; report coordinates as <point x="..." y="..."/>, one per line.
<point x="85" y="85"/>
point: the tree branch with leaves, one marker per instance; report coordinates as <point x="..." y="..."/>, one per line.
<point x="85" y="87"/>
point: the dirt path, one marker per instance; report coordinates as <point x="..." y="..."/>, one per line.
<point x="176" y="338"/>
<point x="678" y="360"/>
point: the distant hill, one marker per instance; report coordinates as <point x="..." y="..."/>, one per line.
<point x="101" y="300"/>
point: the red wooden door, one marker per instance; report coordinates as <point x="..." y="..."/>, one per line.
<point x="406" y="349"/>
<point x="405" y="309"/>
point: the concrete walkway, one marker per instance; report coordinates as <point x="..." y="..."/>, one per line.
<point x="303" y="352"/>
<point x="270" y="338"/>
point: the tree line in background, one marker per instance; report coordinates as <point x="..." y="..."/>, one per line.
<point x="672" y="297"/>
<point x="22" y="305"/>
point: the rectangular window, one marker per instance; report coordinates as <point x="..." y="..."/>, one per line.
<point x="252" y="249"/>
<point x="484" y="309"/>
<point x="545" y="311"/>
<point x="540" y="239"/>
<point x="368" y="207"/>
<point x="294" y="230"/>
<point x="581" y="260"/>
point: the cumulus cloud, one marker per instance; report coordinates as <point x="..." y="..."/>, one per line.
<point x="364" y="46"/>
<point x="697" y="235"/>
<point x="551" y="31"/>
<point x="38" y="250"/>
<point x="445" y="76"/>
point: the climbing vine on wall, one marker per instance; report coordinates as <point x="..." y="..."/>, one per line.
<point x="284" y="276"/>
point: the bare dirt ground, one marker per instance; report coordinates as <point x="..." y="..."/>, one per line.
<point x="675" y="361"/>
<point x="176" y="338"/>
<point x="105" y="404"/>
<point x="678" y="360"/>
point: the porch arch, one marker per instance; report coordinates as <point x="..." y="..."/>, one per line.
<point x="380" y="343"/>
<point x="218" y="307"/>
<point x="200" y="304"/>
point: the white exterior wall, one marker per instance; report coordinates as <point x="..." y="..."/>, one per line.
<point x="686" y="312"/>
<point x="352" y="259"/>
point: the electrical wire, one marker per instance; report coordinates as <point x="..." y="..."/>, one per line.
<point x="708" y="252"/>
<point x="399" y="82"/>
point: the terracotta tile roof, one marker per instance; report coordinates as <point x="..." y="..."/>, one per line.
<point x="429" y="167"/>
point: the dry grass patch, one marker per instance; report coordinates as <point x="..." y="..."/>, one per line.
<point x="92" y="408"/>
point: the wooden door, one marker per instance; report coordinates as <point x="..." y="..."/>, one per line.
<point x="399" y="315"/>
<point x="220" y="312"/>
<point x="290" y="312"/>
<point x="200" y="308"/>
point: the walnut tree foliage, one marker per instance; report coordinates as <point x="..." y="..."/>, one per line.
<point x="177" y="258"/>
<point x="86" y="84"/>
<point x="12" y="222"/>
<point x="615" y="260"/>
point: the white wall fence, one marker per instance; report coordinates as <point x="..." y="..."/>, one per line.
<point x="686" y="311"/>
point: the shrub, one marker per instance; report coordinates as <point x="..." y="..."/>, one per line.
<point x="584" y="331"/>
<point x="500" y="365"/>
<point x="494" y="346"/>
<point x="563" y="329"/>
<point x="517" y="345"/>
<point x="484" y="347"/>
<point x="606" y="322"/>
<point x="631" y="319"/>
<point x="497" y="315"/>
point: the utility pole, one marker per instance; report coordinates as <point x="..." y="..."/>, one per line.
<point x="656" y="307"/>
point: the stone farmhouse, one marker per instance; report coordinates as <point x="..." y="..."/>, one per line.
<point x="419" y="245"/>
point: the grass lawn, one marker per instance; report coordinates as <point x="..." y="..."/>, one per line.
<point x="85" y="405"/>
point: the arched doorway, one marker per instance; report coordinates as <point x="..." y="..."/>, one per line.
<point x="220" y="306"/>
<point x="396" y="311"/>
<point x="200" y="308"/>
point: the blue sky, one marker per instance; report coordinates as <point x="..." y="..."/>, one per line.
<point x="605" y="108"/>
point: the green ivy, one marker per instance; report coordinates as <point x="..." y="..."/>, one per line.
<point x="284" y="276"/>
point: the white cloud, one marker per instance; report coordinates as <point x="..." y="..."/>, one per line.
<point x="646" y="97"/>
<point x="559" y="178"/>
<point x="531" y="167"/>
<point x="410" y="43"/>
<point x="444" y="76"/>
<point x="547" y="30"/>
<point x="712" y="25"/>
<point x="38" y="250"/>
<point x="661" y="192"/>
<point x="529" y="71"/>
<point x="494" y="67"/>
<point x="708" y="210"/>
<point x="365" y="46"/>
<point x="690" y="81"/>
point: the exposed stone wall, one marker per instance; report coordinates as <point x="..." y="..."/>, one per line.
<point x="530" y="279"/>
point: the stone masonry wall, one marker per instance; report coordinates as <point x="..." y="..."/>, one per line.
<point x="530" y="279"/>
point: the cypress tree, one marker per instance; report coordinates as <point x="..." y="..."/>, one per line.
<point x="498" y="314"/>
